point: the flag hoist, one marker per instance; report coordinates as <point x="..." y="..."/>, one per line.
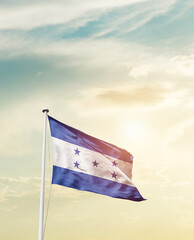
<point x="41" y="217"/>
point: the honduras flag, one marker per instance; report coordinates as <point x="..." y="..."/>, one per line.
<point x="86" y="163"/>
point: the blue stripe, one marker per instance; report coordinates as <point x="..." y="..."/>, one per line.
<point x="86" y="182"/>
<point x="66" y="133"/>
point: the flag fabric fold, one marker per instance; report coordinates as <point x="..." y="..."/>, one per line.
<point x="86" y="163"/>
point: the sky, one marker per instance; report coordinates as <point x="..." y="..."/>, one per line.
<point x="121" y="71"/>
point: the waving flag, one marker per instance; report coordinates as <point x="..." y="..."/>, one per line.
<point x="86" y="163"/>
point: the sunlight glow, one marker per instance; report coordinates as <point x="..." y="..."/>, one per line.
<point x="134" y="131"/>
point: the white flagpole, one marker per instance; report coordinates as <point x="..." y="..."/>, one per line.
<point x="41" y="217"/>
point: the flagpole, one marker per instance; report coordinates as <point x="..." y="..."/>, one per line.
<point x="41" y="217"/>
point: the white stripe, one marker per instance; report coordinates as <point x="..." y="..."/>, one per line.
<point x="64" y="156"/>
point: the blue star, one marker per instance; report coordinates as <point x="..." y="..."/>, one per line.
<point x="114" y="163"/>
<point x="114" y="175"/>
<point x="76" y="151"/>
<point x="95" y="164"/>
<point x="76" y="164"/>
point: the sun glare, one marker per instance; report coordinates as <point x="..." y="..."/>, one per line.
<point x="134" y="131"/>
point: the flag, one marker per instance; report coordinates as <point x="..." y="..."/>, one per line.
<point x="86" y="163"/>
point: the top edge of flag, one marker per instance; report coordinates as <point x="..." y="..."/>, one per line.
<point x="69" y="134"/>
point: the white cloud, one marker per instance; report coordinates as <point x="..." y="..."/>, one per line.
<point x="129" y="21"/>
<point x="100" y="52"/>
<point x="183" y="64"/>
<point x="182" y="184"/>
<point x="16" y="188"/>
<point x="140" y="70"/>
<point x="50" y="13"/>
<point x="11" y="208"/>
<point x="34" y="15"/>
<point x="186" y="220"/>
<point x="178" y="129"/>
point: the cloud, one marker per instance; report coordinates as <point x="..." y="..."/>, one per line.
<point x="181" y="133"/>
<point x="9" y="209"/>
<point x="13" y="188"/>
<point x="34" y="15"/>
<point x="122" y="16"/>
<point x="187" y="220"/>
<point x="140" y="70"/>
<point x="182" y="184"/>
<point x="129" y="18"/>
<point x="90" y="54"/>
<point x="144" y="95"/>
<point x="17" y="188"/>
<point x="183" y="64"/>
